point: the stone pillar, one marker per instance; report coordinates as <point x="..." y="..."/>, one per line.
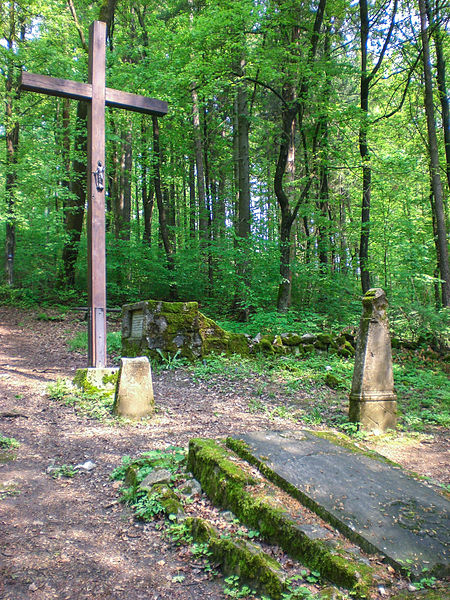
<point x="134" y="391"/>
<point x="373" y="402"/>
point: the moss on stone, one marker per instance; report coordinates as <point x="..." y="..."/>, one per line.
<point x="168" y="499"/>
<point x="343" y="440"/>
<point x="346" y="350"/>
<point x="242" y="558"/>
<point x="229" y="486"/>
<point x="96" y="382"/>
<point x="265" y="345"/>
<point x="244" y="452"/>
<point x="291" y="339"/>
<point x="110" y="379"/>
<point x="332" y="381"/>
<point x="440" y="593"/>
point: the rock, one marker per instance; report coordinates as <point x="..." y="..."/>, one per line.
<point x="308" y="338"/>
<point x="291" y="339"/>
<point x="134" y="392"/>
<point x="372" y="398"/>
<point x="86" y="466"/>
<point x="156" y="476"/>
<point x="175" y="328"/>
<point x="228" y="515"/>
<point x="346" y="350"/>
<point x="332" y="381"/>
<point x="191" y="488"/>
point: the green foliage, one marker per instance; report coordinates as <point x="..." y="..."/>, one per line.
<point x="168" y="362"/>
<point x="79" y="343"/>
<point x="234" y="589"/>
<point x="146" y="506"/>
<point x="67" y="471"/>
<point x="144" y="503"/>
<point x="7" y="443"/>
<point x="422" y="386"/>
<point x="93" y="405"/>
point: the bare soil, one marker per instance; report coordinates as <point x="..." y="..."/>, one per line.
<point x="69" y="538"/>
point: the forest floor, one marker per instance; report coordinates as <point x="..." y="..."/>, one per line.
<point x="69" y="538"/>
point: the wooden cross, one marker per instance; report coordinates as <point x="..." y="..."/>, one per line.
<point x="97" y="95"/>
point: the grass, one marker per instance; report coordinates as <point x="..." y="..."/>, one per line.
<point x="422" y="386"/>
<point x="79" y="343"/>
<point x="94" y="406"/>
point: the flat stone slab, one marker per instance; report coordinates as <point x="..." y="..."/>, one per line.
<point x="372" y="502"/>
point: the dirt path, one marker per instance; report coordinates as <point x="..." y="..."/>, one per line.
<point x="68" y="538"/>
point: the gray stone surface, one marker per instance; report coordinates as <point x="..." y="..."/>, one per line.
<point x="372" y="398"/>
<point x="134" y="392"/>
<point x="156" y="476"/>
<point x="373" y="503"/>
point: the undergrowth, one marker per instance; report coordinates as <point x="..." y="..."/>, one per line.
<point x="8" y="443"/>
<point x="421" y="383"/>
<point x="93" y="405"/>
<point x="79" y="343"/>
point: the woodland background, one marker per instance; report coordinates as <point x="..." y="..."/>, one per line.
<point x="305" y="157"/>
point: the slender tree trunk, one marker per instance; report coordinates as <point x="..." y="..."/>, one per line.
<point x="242" y="166"/>
<point x="122" y="206"/>
<point x="12" y="146"/>
<point x="365" y="82"/>
<point x="436" y="183"/>
<point x="208" y="206"/>
<point x="434" y="20"/>
<point x="192" y="208"/>
<point x="161" y="208"/>
<point x="147" y="194"/>
<point x="75" y="204"/>
<point x="199" y="159"/>
<point x="364" y="150"/>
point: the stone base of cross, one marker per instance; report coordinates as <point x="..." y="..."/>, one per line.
<point x="97" y="95"/>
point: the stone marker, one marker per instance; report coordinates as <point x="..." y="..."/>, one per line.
<point x="372" y="398"/>
<point x="96" y="380"/>
<point x="373" y="503"/>
<point x="134" y="391"/>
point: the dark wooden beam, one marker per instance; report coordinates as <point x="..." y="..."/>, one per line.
<point x="53" y="86"/>
<point x="142" y="104"/>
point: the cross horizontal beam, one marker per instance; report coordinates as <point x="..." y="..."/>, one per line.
<point x="53" y="86"/>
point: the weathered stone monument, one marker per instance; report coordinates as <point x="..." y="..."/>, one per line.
<point x="152" y="326"/>
<point x="373" y="402"/>
<point x="134" y="392"/>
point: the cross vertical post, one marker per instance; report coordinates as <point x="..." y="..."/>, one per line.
<point x="97" y="95"/>
<point x="96" y="198"/>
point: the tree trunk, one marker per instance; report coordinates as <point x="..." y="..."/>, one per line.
<point x="192" y="208"/>
<point x="75" y="204"/>
<point x="199" y="159"/>
<point x="122" y="206"/>
<point x="364" y="151"/>
<point x="161" y="208"/>
<point x="147" y="194"/>
<point x="242" y="166"/>
<point x="438" y="36"/>
<point x="12" y="146"/>
<point x="436" y="183"/>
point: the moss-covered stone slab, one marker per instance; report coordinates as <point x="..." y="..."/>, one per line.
<point x="372" y="502"/>
<point x="241" y="558"/>
<point x="257" y="504"/>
